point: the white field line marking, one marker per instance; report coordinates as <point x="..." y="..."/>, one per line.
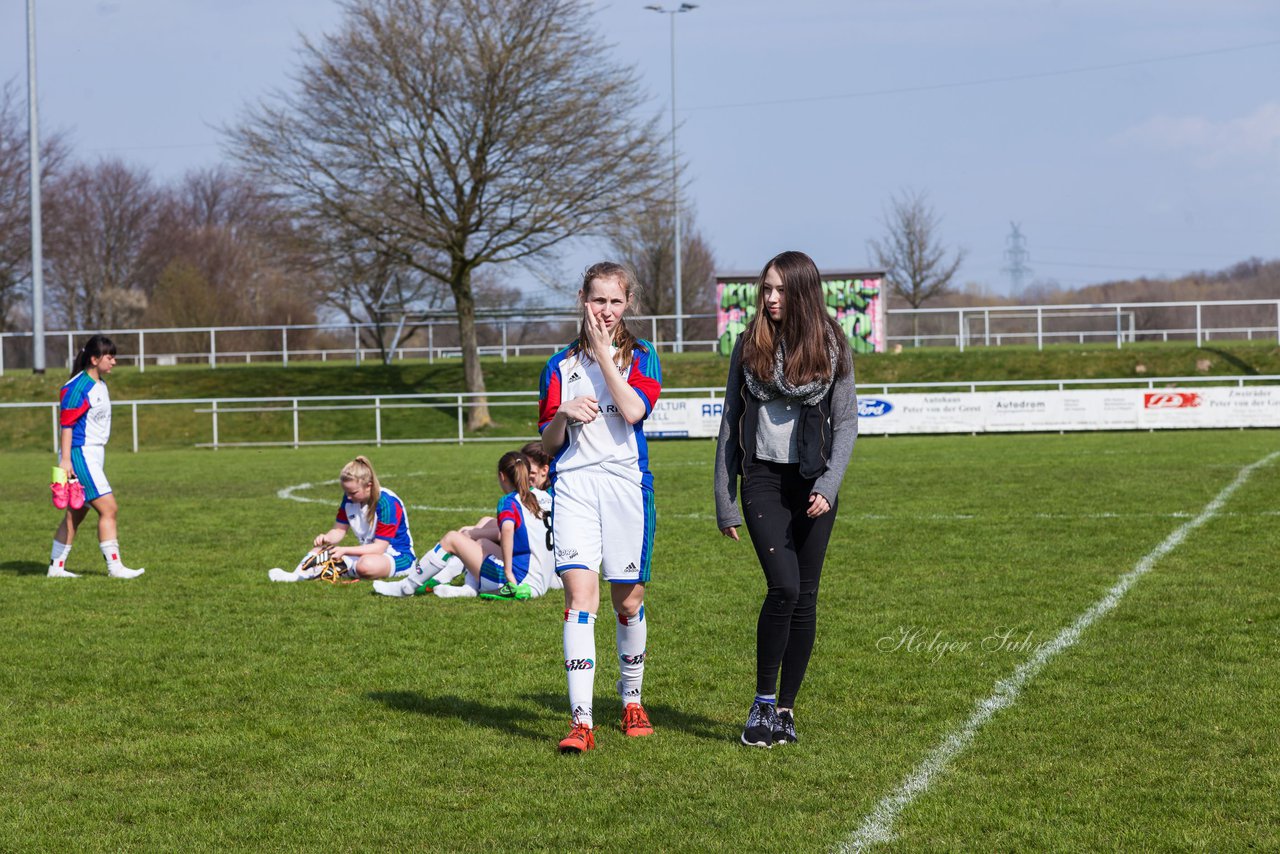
<point x="289" y="493"/>
<point x="877" y="826"/>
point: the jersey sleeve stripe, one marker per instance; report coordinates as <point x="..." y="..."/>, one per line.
<point x="645" y="377"/>
<point x="69" y="416"/>
<point x="389" y="514"/>
<point x="549" y="391"/>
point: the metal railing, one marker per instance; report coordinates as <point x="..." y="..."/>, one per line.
<point x="542" y="333"/>
<point x="969" y="326"/>
<point x="296" y="407"/>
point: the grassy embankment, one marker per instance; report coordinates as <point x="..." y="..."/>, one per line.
<point x="184" y="426"/>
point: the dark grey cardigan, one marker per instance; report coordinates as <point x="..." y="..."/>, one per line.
<point x="738" y="427"/>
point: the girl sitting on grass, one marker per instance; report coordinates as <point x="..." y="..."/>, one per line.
<point x="378" y="519"/>
<point x="513" y="567"/>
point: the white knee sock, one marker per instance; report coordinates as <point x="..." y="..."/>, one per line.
<point x="580" y="662"/>
<point x="437" y="566"/>
<point x="58" y="555"/>
<point x="111" y="553"/>
<point x="633" y="635"/>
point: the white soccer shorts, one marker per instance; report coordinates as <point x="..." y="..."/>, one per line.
<point x="87" y="464"/>
<point x="603" y="523"/>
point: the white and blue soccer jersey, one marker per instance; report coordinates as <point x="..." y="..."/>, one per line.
<point x="391" y="524"/>
<point x="531" y="556"/>
<point x="85" y="407"/>
<point x="608" y="444"/>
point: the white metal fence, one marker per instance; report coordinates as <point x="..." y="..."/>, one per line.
<point x="543" y="333"/>
<point x="297" y="408"/>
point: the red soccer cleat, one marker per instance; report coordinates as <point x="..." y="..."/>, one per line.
<point x="579" y="740"/>
<point x="61" y="495"/>
<point x="635" y="722"/>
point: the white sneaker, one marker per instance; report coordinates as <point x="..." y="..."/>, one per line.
<point x="451" y="591"/>
<point x="123" y="571"/>
<point x="61" y="572"/>
<point x="394" y="587"/>
<point x="278" y="574"/>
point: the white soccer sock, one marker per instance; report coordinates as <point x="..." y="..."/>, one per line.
<point x="111" y="553"/>
<point x="633" y="636"/>
<point x="452" y="591"/>
<point x="580" y="662"/>
<point x="438" y="565"/>
<point x="58" y="555"/>
<point x="453" y="567"/>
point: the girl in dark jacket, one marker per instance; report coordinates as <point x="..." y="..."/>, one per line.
<point x="788" y="427"/>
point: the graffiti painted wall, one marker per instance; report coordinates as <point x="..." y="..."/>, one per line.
<point x="853" y="299"/>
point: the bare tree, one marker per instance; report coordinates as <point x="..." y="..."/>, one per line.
<point x="101" y="260"/>
<point x="15" y="201"/>
<point x="229" y="257"/>
<point x="644" y="243"/>
<point x="912" y="255"/>
<point x="459" y="133"/>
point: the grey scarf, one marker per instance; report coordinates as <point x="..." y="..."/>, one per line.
<point x="777" y="386"/>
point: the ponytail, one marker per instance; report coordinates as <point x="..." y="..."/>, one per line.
<point x="95" y="348"/>
<point x="360" y="470"/>
<point x="515" y="468"/>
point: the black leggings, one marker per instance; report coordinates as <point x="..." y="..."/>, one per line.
<point x="791" y="548"/>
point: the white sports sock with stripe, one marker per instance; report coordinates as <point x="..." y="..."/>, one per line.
<point x="58" y="554"/>
<point x="633" y="636"/>
<point x="580" y="662"/>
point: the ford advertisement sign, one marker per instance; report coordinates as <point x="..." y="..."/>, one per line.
<point x="873" y="407"/>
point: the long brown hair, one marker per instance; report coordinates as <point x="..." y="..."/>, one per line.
<point x="535" y="452"/>
<point x="626" y="342"/>
<point x="804" y="316"/>
<point x="95" y="348"/>
<point x="514" y="466"/>
<point x="360" y="470"/>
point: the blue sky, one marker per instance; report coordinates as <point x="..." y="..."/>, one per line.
<point x="1127" y="137"/>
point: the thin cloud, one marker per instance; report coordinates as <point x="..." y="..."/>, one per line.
<point x="1254" y="137"/>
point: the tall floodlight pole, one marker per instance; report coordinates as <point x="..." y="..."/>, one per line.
<point x="675" y="170"/>
<point x="33" y="137"/>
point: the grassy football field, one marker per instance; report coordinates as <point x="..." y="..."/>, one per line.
<point x="202" y="707"/>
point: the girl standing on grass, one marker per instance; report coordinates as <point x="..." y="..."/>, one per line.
<point x="376" y="516"/>
<point x="595" y="395"/>
<point x="787" y="430"/>
<point x="84" y="418"/>
<point x="515" y="565"/>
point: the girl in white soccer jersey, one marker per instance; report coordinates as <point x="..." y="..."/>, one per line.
<point x="376" y="516"/>
<point x="487" y="526"/>
<point x="514" y="566"/>
<point x="595" y="395"/>
<point x="84" y="420"/>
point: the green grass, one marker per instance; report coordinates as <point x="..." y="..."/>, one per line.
<point x="203" y="707"/>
